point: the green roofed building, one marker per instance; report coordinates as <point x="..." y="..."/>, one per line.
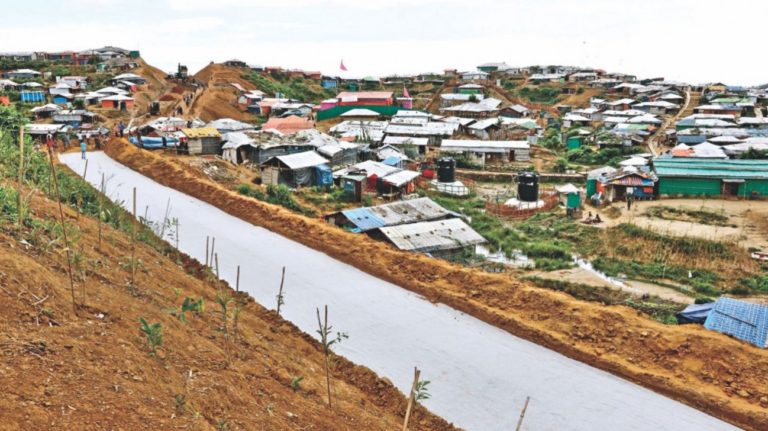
<point x="707" y="177"/>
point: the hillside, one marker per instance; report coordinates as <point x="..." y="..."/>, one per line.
<point x="218" y="98"/>
<point x="701" y="368"/>
<point x="207" y="373"/>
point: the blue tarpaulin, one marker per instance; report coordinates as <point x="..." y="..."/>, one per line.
<point x="323" y="175"/>
<point x="743" y="320"/>
<point x="392" y="161"/>
<point x="695" y="313"/>
<point x="364" y="219"/>
<point x="152" y="143"/>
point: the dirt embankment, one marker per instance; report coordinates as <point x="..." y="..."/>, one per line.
<point x="62" y="372"/>
<point x="706" y="370"/>
<point x="218" y="98"/>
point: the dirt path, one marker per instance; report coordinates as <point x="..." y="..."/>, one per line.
<point x="653" y="144"/>
<point x="687" y="363"/>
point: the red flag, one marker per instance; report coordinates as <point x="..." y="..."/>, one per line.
<point x="344" y="68"/>
<point x="406" y="93"/>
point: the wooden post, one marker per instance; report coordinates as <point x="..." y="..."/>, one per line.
<point x="237" y="281"/>
<point x="101" y="199"/>
<point x="63" y="231"/>
<point x="324" y="338"/>
<point x="216" y="256"/>
<point x="85" y="171"/>
<point x="207" y="241"/>
<point x="522" y="414"/>
<point x="280" y="292"/>
<point x="411" y="396"/>
<point x="21" y="177"/>
<point x="213" y="249"/>
<point x="133" y="242"/>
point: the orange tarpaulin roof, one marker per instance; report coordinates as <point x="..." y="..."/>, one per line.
<point x="288" y="125"/>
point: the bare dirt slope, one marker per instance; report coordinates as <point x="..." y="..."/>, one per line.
<point x="219" y="98"/>
<point x="706" y="370"/>
<point x="59" y="371"/>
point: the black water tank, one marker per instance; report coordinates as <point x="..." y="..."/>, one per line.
<point x="528" y="187"/>
<point x="446" y="170"/>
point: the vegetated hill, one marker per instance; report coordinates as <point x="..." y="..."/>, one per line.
<point x="94" y="370"/>
<point x="305" y="90"/>
<point x="218" y="98"/>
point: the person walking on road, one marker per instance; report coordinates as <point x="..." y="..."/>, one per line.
<point x="83" y="147"/>
<point x="121" y="128"/>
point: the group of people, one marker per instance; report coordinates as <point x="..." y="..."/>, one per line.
<point x="592" y="220"/>
<point x="66" y="140"/>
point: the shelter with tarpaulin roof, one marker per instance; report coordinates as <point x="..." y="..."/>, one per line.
<point x="202" y="140"/>
<point x="300" y="169"/>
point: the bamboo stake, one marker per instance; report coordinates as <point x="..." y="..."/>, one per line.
<point x="235" y="329"/>
<point x="207" y="241"/>
<point x="237" y="281"/>
<point x="411" y="396"/>
<point x="216" y="256"/>
<point x="213" y="249"/>
<point x="324" y="336"/>
<point x="63" y="231"/>
<point x="85" y="171"/>
<point x="133" y="242"/>
<point x="100" y="206"/>
<point x="21" y="178"/>
<point x="280" y="292"/>
<point x="522" y="414"/>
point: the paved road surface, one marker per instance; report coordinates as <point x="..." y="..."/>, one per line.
<point x="480" y="374"/>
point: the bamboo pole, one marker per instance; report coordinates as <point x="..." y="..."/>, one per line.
<point x="237" y="281"/>
<point x="207" y="243"/>
<point x="101" y="200"/>
<point x="133" y="242"/>
<point x="411" y="396"/>
<point x="213" y="249"/>
<point x="216" y="256"/>
<point x="324" y="337"/>
<point x="522" y="414"/>
<point x="63" y="231"/>
<point x="280" y="292"/>
<point x="21" y="177"/>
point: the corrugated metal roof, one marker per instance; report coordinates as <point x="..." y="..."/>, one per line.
<point x="405" y="140"/>
<point x="708" y="168"/>
<point x="302" y="160"/>
<point x="432" y="236"/>
<point x="399" y="178"/>
<point x="743" y="320"/>
<point x="396" y="213"/>
<point x="454" y="145"/>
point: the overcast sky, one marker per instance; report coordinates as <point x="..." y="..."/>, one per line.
<point x="694" y="41"/>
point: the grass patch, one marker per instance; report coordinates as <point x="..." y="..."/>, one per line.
<point x="657" y="308"/>
<point x="701" y="281"/>
<point x="700" y="216"/>
<point x="293" y="88"/>
<point x="277" y="195"/>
